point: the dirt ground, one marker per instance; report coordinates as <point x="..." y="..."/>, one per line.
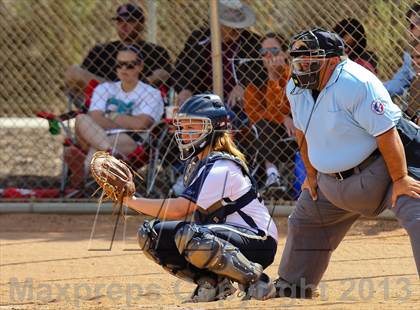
<point x="46" y="263"/>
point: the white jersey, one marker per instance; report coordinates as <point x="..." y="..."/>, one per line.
<point x="143" y="99"/>
<point x="224" y="179"/>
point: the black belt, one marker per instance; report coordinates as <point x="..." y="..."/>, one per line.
<point x="340" y="176"/>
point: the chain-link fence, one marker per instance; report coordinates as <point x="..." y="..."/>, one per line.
<point x="50" y="62"/>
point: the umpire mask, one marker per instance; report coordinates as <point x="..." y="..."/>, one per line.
<point x="309" y="50"/>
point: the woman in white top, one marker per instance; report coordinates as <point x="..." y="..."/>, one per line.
<point x="231" y="236"/>
<point x="120" y="112"/>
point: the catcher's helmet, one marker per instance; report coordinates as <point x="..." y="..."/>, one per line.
<point x="308" y="50"/>
<point x="199" y="122"/>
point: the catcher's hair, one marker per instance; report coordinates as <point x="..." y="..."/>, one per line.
<point x="224" y="143"/>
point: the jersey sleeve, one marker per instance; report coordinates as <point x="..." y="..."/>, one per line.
<point x="375" y="111"/>
<point x="209" y="186"/>
<point x="99" y="98"/>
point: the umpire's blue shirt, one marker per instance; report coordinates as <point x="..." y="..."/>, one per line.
<point x="341" y="126"/>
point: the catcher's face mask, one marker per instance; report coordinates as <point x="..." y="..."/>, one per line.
<point x="192" y="134"/>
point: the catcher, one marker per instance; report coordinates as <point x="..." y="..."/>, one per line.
<point x="232" y="237"/>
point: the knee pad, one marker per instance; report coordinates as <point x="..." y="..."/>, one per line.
<point x="147" y="236"/>
<point x="207" y="251"/>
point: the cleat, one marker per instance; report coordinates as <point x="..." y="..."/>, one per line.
<point x="208" y="290"/>
<point x="262" y="289"/>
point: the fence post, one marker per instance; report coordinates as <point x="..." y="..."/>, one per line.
<point x="151" y="21"/>
<point x="216" y="48"/>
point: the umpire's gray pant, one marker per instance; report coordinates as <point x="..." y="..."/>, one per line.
<point x="316" y="228"/>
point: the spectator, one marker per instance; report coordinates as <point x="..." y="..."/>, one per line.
<point x="240" y="53"/>
<point x="120" y="112"/>
<point x="413" y="95"/>
<point x="353" y="34"/>
<point x="193" y="68"/>
<point x="268" y="108"/>
<point x="404" y="76"/>
<point x="100" y="63"/>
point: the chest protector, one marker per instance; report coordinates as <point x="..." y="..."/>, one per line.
<point x="217" y="213"/>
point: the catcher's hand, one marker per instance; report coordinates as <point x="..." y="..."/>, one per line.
<point x="114" y="176"/>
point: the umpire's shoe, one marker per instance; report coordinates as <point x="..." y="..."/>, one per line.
<point x="286" y="289"/>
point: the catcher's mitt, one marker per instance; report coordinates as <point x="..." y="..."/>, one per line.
<point x="114" y="176"/>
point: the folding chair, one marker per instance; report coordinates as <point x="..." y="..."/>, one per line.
<point x="157" y="139"/>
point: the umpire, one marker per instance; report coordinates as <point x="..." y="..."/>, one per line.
<point x="355" y="145"/>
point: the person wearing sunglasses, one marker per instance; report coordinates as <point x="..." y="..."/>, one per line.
<point x="405" y="75"/>
<point x="100" y="62"/>
<point x="268" y="109"/>
<point x="120" y="112"/>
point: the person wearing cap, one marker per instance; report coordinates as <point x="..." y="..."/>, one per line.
<point x="120" y="112"/>
<point x="100" y="63"/>
<point x="240" y="48"/>
<point x="406" y="73"/>
<point x="240" y="53"/>
<point x="354" y="36"/>
<point x="350" y="135"/>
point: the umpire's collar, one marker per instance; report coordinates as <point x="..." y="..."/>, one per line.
<point x="336" y="73"/>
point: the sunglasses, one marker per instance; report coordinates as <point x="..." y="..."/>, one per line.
<point x="128" y="65"/>
<point x="272" y="50"/>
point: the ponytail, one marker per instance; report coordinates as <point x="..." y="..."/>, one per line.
<point x="224" y="143"/>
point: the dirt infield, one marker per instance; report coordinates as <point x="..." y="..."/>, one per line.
<point x="45" y="264"/>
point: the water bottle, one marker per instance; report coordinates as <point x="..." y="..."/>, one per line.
<point x="54" y="127"/>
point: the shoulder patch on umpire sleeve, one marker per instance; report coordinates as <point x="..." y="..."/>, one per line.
<point x="378" y="106"/>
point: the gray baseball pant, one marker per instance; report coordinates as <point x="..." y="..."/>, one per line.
<point x="316" y="228"/>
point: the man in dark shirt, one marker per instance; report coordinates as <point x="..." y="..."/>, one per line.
<point x="100" y="62"/>
<point x="240" y="56"/>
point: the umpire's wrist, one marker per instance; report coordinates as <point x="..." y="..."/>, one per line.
<point x="399" y="177"/>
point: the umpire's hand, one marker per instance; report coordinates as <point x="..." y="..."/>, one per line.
<point x="311" y="184"/>
<point x="405" y="186"/>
